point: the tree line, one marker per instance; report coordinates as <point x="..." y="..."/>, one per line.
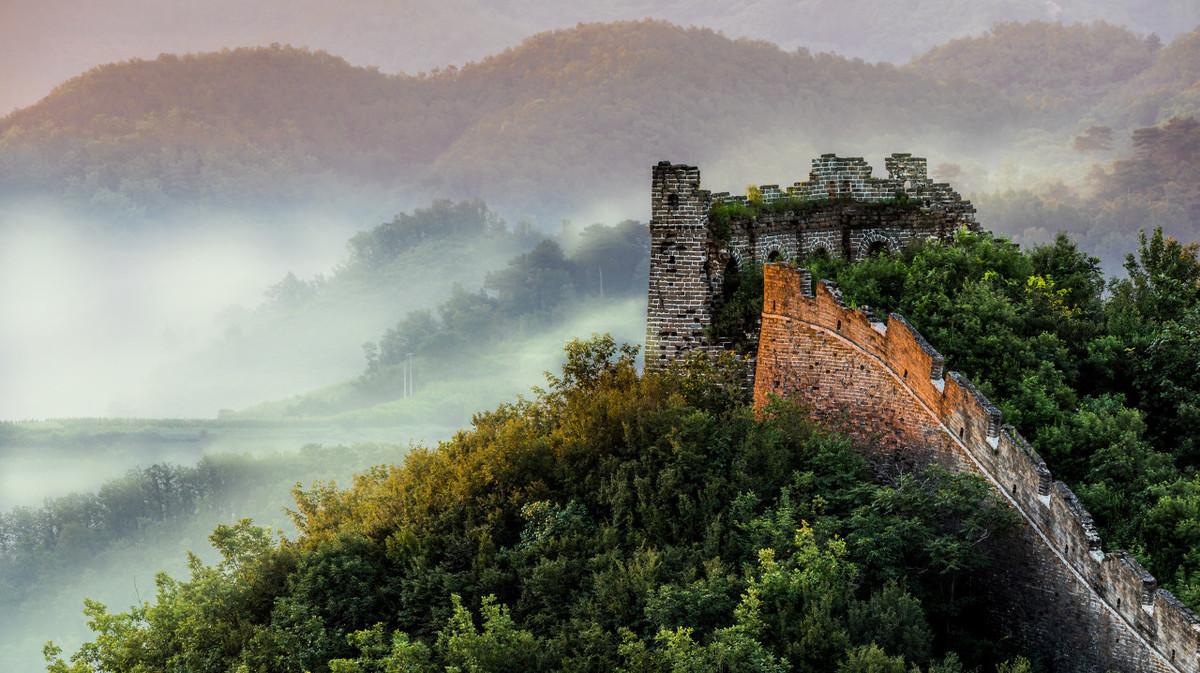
<point x="36" y="543"/>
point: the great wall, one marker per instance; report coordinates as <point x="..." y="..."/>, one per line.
<point x="1056" y="589"/>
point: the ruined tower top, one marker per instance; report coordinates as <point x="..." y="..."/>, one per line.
<point x="840" y="210"/>
<point x="849" y="179"/>
<point x="676" y="198"/>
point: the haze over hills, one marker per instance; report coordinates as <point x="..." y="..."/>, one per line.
<point x="592" y="105"/>
<point x="207" y="235"/>
<point x="43" y="42"/>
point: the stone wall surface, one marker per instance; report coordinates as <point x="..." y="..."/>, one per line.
<point x="679" y="303"/>
<point x="1055" y="588"/>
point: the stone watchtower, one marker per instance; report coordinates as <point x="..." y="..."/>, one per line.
<point x="679" y="302"/>
<point x="840" y="210"/>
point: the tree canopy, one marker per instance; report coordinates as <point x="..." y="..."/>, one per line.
<point x="613" y="521"/>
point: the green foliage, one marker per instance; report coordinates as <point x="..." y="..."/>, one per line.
<point x="615" y="521"/>
<point x="723" y="216"/>
<point x="735" y="320"/>
<point x="1103" y="380"/>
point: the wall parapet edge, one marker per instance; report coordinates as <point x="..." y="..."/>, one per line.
<point x="1150" y="614"/>
<point x="850" y="178"/>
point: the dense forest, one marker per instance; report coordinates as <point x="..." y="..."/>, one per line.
<point x="613" y="521"/>
<point x="618" y="521"/>
<point x="248" y="126"/>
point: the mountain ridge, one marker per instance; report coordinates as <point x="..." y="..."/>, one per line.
<point x="526" y="127"/>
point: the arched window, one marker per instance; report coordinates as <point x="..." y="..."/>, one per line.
<point x="876" y="248"/>
<point x="732" y="278"/>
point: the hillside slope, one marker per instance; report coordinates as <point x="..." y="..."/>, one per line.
<point x="1050" y="67"/>
<point x="611" y="522"/>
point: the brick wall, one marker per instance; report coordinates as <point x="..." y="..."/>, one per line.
<point x="680" y="297"/>
<point x="1054" y="587"/>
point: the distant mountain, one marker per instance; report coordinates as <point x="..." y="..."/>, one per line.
<point x="43" y="42"/>
<point x="592" y="106"/>
<point x="1050" y="67"/>
<point x="571" y="119"/>
<point x="1170" y="87"/>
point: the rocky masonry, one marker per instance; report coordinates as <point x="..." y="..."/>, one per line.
<point x="1057" y="590"/>
<point x="840" y="210"/>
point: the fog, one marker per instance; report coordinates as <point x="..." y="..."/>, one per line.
<point x="91" y="311"/>
<point x="123" y="575"/>
<point x="110" y="329"/>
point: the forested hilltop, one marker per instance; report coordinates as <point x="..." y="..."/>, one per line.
<point x="246" y="126"/>
<point x="613" y="521"/>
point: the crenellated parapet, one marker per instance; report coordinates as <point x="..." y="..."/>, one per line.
<point x="849" y="179"/>
<point x="1084" y="608"/>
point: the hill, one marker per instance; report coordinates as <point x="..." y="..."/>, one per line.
<point x="1050" y="67"/>
<point x="612" y="522"/>
<point x="568" y="121"/>
<point x="592" y="105"/>
<point x="48" y="41"/>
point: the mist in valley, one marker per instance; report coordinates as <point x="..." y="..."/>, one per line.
<point x="132" y="349"/>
